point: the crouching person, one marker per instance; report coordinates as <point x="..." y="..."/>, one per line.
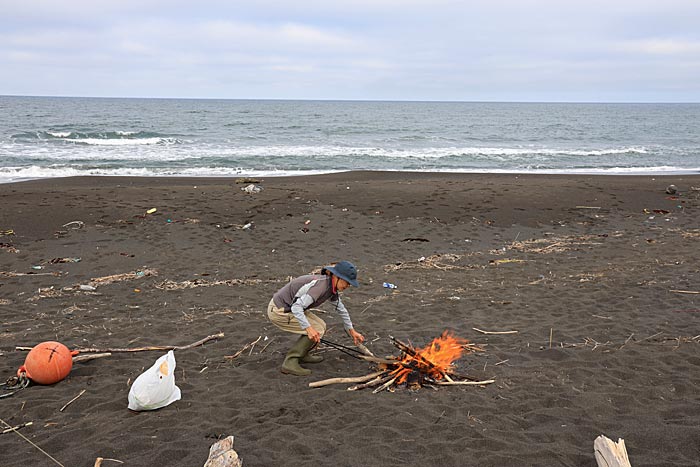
<point x="291" y="310"/>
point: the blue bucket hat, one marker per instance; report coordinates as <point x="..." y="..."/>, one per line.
<point x="346" y="271"/>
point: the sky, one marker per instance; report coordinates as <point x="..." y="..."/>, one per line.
<point x="433" y="50"/>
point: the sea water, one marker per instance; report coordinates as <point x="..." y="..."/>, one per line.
<point x="56" y="137"/>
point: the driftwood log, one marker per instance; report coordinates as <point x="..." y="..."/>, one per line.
<point x="142" y="349"/>
<point x="221" y="454"/>
<point x="610" y="454"/>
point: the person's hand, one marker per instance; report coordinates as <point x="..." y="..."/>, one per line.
<point x="313" y="335"/>
<point x="356" y="337"/>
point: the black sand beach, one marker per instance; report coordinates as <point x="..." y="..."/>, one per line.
<point x="597" y="274"/>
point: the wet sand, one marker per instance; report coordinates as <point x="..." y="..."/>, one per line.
<point x="593" y="272"/>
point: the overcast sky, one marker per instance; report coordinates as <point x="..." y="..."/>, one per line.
<point x="491" y="50"/>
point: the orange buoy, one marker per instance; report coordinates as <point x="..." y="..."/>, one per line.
<point x="47" y="363"/>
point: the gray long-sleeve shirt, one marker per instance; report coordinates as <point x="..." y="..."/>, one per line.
<point x="310" y="291"/>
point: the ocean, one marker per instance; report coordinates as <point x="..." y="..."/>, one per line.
<point x="43" y="137"/>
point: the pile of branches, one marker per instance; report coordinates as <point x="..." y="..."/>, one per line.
<point x="412" y="368"/>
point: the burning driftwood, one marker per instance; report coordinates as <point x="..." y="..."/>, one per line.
<point x="415" y="367"/>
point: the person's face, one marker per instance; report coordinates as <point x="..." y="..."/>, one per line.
<point x="341" y="284"/>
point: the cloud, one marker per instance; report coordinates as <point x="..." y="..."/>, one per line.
<point x="661" y="47"/>
<point x="407" y="49"/>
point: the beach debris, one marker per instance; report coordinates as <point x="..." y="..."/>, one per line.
<point x="248" y="225"/>
<point x="505" y="261"/>
<point x="6" y="233"/>
<point x="609" y="453"/>
<point x="151" y="211"/>
<point x="249" y="345"/>
<point x="91" y="287"/>
<point x="47" y="363"/>
<point x="100" y="460"/>
<point x="75" y="225"/>
<point x="671" y="190"/>
<point x="126" y="276"/>
<point x="140" y="349"/>
<point x="431" y="365"/>
<point x="15" y="428"/>
<point x="155" y="388"/>
<point x="9" y="247"/>
<point x="14" y="384"/>
<point x="72" y="400"/>
<point x="191" y="284"/>
<point x="415" y="239"/>
<point x="389" y="285"/>
<point x="252" y="188"/>
<point x="64" y="260"/>
<point x="85" y="358"/>
<point x="684" y="291"/>
<point x="18" y="274"/>
<point x="437" y="261"/>
<point x="494" y="332"/>
<point x="221" y="454"/>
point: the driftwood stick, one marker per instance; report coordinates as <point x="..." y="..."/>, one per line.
<point x="378" y="380"/>
<point x="144" y="349"/>
<point x="85" y="358"/>
<point x="139" y="349"/>
<point x="685" y="291"/>
<point x="464" y="383"/>
<point x="365" y="350"/>
<point x="357" y="379"/>
<point x="494" y="332"/>
<point x="385" y="385"/>
<point x="13" y="428"/>
<point x="72" y="400"/>
<point x="249" y="345"/>
<point x="266" y="345"/>
<point x="100" y="460"/>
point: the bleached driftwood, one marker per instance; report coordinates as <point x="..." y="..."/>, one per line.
<point x="221" y="454"/>
<point x="85" y="358"/>
<point x="358" y="379"/>
<point x="610" y="454"/>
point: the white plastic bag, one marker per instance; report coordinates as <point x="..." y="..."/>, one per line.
<point x="155" y="387"/>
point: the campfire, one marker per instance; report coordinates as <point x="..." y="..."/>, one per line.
<point x="432" y="365"/>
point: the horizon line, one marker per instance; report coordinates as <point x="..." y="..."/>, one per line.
<point x="350" y="100"/>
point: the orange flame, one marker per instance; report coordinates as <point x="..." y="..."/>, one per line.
<point x="433" y="360"/>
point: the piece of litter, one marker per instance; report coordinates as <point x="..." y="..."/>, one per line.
<point x="87" y="288"/>
<point x="389" y="285"/>
<point x="151" y="211"/>
<point x="250" y="189"/>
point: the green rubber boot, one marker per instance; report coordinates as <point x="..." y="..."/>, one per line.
<point x="308" y="358"/>
<point x="296" y="353"/>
